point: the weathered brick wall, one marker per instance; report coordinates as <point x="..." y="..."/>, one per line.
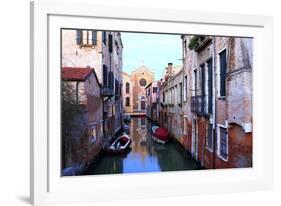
<point x="236" y="109"/>
<point x="74" y="56"/>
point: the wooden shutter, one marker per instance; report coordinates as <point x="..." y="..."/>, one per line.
<point x="94" y="37"/>
<point x="104" y="37"/>
<point x="210" y="86"/>
<point x="202" y="88"/>
<point x="110" y="43"/>
<point x="79" y="37"/>
<point x="222" y="72"/>
<point x="105" y="82"/>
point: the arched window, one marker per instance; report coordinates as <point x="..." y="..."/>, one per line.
<point x="127" y="87"/>
<point x="127" y="101"/>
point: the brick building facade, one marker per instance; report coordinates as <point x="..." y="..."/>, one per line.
<point x="102" y="52"/>
<point x="136" y="96"/>
<point x="218" y="103"/>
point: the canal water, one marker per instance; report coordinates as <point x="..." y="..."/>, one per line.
<point x="145" y="154"/>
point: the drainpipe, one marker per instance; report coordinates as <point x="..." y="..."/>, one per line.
<point x="214" y="102"/>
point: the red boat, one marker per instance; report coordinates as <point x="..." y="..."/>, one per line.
<point x="120" y="145"/>
<point x="160" y="135"/>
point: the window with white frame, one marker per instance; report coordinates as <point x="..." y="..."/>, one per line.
<point x="195" y="80"/>
<point x="175" y="94"/>
<point x="185" y="125"/>
<point x="180" y="93"/>
<point x="185" y="88"/>
<point x="222" y="143"/>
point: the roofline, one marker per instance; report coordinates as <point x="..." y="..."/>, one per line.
<point x="95" y="75"/>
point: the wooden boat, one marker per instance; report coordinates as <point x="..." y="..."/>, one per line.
<point x="161" y="135"/>
<point x="120" y="145"/>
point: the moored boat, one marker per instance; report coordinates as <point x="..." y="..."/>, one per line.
<point x="126" y="128"/>
<point x="127" y="118"/>
<point x="161" y="135"/>
<point x="153" y="128"/>
<point x="120" y="145"/>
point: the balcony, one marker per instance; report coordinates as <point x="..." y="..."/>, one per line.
<point x="106" y="91"/>
<point x="200" y="107"/>
<point x="197" y="104"/>
<point x="198" y="43"/>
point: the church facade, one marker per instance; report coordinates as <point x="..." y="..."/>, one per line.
<point x="134" y="96"/>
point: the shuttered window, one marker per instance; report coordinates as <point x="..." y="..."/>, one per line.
<point x="105" y="75"/>
<point x="203" y="83"/>
<point x="79" y="37"/>
<point x="223" y="150"/>
<point x="111" y="80"/>
<point x="110" y="43"/>
<point x="104" y="37"/>
<point x="94" y="37"/>
<point x="210" y="86"/>
<point x="86" y="37"/>
<point x="223" y="65"/>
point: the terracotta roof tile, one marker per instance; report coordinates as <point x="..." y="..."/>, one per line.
<point x="75" y="73"/>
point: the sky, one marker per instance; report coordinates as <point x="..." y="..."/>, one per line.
<point x="153" y="50"/>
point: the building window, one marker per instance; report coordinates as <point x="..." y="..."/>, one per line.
<point x="143" y="82"/>
<point x="154" y="89"/>
<point x="127" y="87"/>
<point x="116" y="89"/>
<point x="142" y="105"/>
<point x="195" y="82"/>
<point x="185" y="125"/>
<point x="223" y="143"/>
<point x="210" y="136"/>
<point x="105" y="75"/>
<point x="86" y="37"/>
<point x="142" y="121"/>
<point x="104" y="37"/>
<point x="148" y="91"/>
<point x="223" y="67"/>
<point x="180" y="92"/>
<point x="110" y="43"/>
<point x="210" y="86"/>
<point x="175" y="93"/>
<point x="163" y="97"/>
<point x="127" y="101"/>
<point x="185" y="89"/>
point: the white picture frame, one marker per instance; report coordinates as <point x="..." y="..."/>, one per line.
<point x="46" y="184"/>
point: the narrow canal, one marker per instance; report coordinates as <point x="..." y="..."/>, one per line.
<point x="145" y="155"/>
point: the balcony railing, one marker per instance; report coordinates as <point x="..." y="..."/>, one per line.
<point x="106" y="91"/>
<point x="197" y="104"/>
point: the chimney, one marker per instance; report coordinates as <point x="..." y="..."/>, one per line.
<point x="170" y="66"/>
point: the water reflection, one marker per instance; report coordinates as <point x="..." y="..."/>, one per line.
<point x="145" y="155"/>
